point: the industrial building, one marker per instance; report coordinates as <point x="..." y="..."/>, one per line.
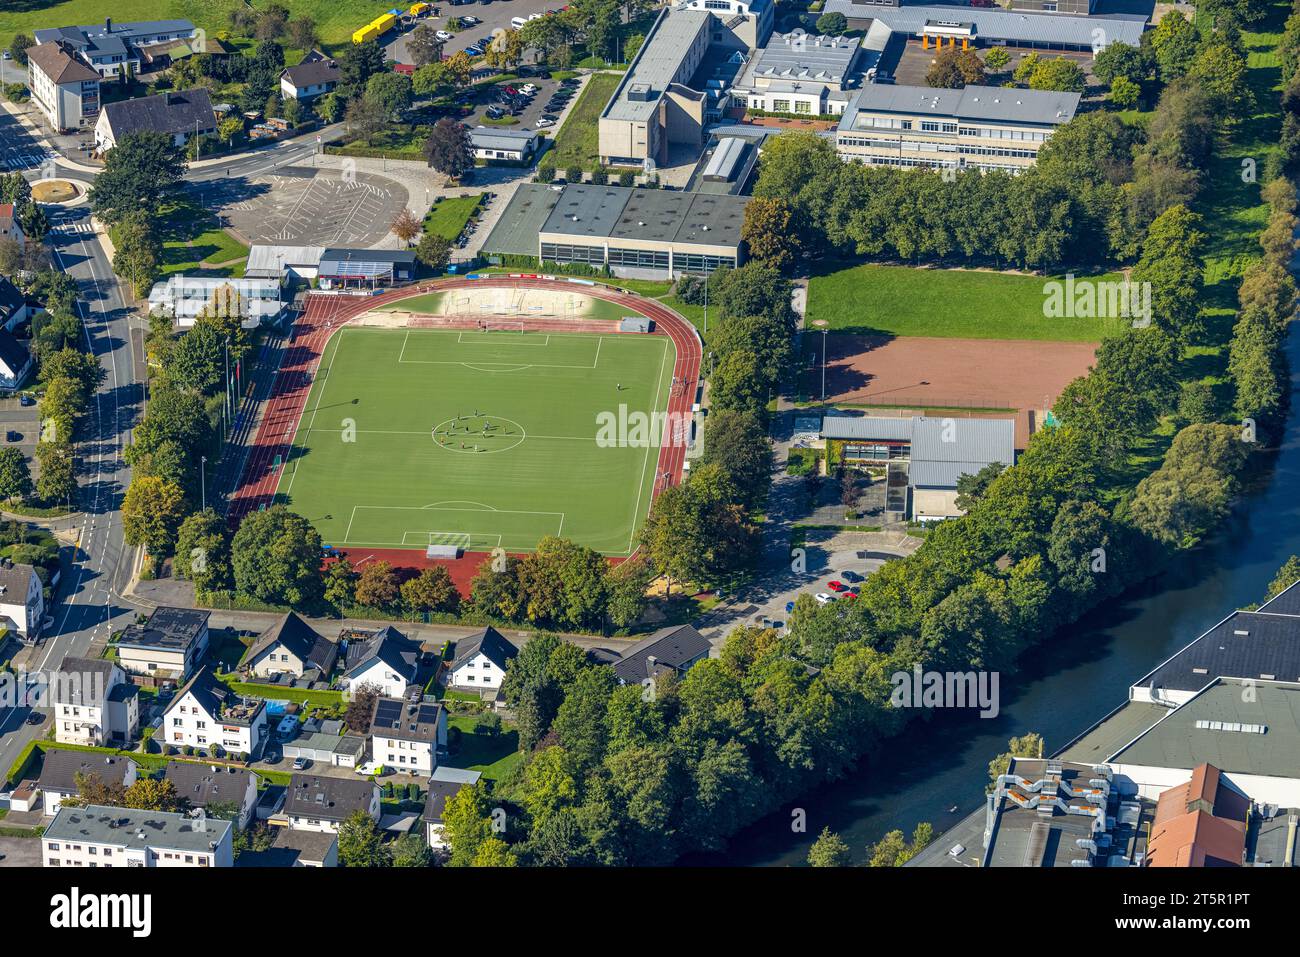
<point x="800" y="73"/>
<point x="979" y="127"/>
<point x="677" y="82"/>
<point x="632" y="231"/>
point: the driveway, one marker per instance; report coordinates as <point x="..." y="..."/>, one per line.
<point x="20" y="852"/>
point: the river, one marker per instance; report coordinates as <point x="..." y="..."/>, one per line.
<point x="1076" y="677"/>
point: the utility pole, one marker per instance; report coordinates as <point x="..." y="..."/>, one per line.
<point x="203" y="483"/>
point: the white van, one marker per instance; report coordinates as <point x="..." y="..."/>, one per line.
<point x="517" y="22"/>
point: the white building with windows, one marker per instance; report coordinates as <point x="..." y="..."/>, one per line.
<point x="979" y="127"/>
<point x="207" y="714"/>
<point x="22" y="600"/>
<point x="385" y="659"/>
<point x="802" y="74"/>
<point x="480" y="661"/>
<point x="97" y="836"/>
<point x="93" y="703"/>
<point x="408" y="735"/>
<point x="64" y="88"/>
<point x="320" y="803"/>
<point x="185" y="298"/>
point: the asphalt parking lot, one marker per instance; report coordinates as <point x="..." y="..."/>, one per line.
<point x="527" y="120"/>
<point x="300" y="205"/>
<point x="20" y="427"/>
<point x="20" y="852"/>
<point x="495" y="16"/>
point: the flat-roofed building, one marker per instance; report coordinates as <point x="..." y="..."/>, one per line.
<point x="169" y="645"/>
<point x="800" y="73"/>
<point x="511" y="146"/>
<point x="115" y="48"/>
<point x="97" y="836"/>
<point x="185" y="298"/>
<point x="979" y="127"/>
<point x="660" y="102"/>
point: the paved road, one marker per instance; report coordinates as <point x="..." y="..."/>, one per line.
<point x="89" y="606"/>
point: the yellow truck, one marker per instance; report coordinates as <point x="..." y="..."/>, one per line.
<point x="383" y="24"/>
<point x="368" y="32"/>
<point x="418" y="10"/>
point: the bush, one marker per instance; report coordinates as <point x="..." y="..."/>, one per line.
<point x="573" y="174"/>
<point x="626" y="178"/>
<point x="545" y="172"/>
<point x="599" y="175"/>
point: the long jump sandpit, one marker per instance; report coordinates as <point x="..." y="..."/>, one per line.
<point x="982" y="376"/>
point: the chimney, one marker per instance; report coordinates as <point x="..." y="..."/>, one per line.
<point x="200" y="820"/>
<point x="650" y="662"/>
<point x="108" y="24"/>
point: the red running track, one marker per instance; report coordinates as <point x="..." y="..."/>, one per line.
<point x="325" y="314"/>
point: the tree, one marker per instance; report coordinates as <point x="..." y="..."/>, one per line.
<point x="141" y="172"/>
<point x="152" y="511"/>
<point x="431" y="590"/>
<point x="996" y="60"/>
<point x="1120" y="59"/>
<point x="409" y="850"/>
<point x="1173" y="43"/>
<point x="434" y="251"/>
<point x="57" y="479"/>
<point x="832" y="24"/>
<point x="229" y="128"/>
<point x="357" y="64"/>
<point x="276" y="556"/>
<point x="626" y="584"/>
<point x="152" y="794"/>
<point x="391" y="92"/>
<point x="301" y="33"/>
<point x="894" y="851"/>
<point x="737" y="442"/>
<point x="447" y="148"/>
<point x="1124" y="92"/>
<point x="1060" y="73"/>
<point x="361" y="707"/>
<point x="377" y="587"/>
<point x="365" y="117"/>
<point x="1029" y="745"/>
<point x="137" y="250"/>
<point x="829" y="850"/>
<point x="466" y="826"/>
<point x="1286" y="576"/>
<point x="954" y="69"/>
<point x="405" y="227"/>
<point x="203" y="551"/>
<point x="15" y="475"/>
<point x="360" y="843"/>
<point x="772" y="233"/>
<point x="737" y="383"/>
<point x="19" y="46"/>
<point x="424" y="46"/>
<point x="340" y="584"/>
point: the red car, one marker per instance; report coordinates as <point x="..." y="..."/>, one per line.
<point x="838" y="586"/>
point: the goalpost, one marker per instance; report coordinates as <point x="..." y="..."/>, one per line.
<point x="503" y="325"/>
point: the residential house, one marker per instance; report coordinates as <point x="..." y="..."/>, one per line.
<point x="94" y="703"/>
<point x="295" y="848"/>
<point x="290" y="646"/>
<point x="181" y="115"/>
<point x="114" y="49"/>
<point x="315" y="74"/>
<point x="480" y="661"/>
<point x="317" y="803"/>
<point x="99" y="836"/>
<point x="207" y="714"/>
<point x="515" y="146"/>
<point x="209" y="786"/>
<point x="15" y="361"/>
<point x="168" y="646"/>
<point x="63" y="87"/>
<point x="10" y="228"/>
<point x="61" y="769"/>
<point x="442" y="786"/>
<point x="13" y="305"/>
<point x="22" y="600"/>
<point x="675" y="649"/>
<point x="408" y="733"/>
<point x="1199" y="824"/>
<point x="386" y="659"/>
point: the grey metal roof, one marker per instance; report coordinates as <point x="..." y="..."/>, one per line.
<point x="801" y="56"/>
<point x="994" y="23"/>
<point x="485" y="138"/>
<point x="60" y="770"/>
<point x="1178" y="742"/>
<point x="81" y="681"/>
<point x="123" y="827"/>
<point x="515" y="233"/>
<point x="656" y="64"/>
<point x="267" y="261"/>
<point x="586" y="210"/>
<point x="1031" y="837"/>
<point x="1285" y="602"/>
<point x="864" y="427"/>
<point x="667" y="216"/>
<point x="987" y="103"/>
<point x="1244" y="645"/>
<point x="945" y="449"/>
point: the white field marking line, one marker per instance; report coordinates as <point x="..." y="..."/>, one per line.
<point x="641" y="489"/>
<point x="529" y="435"/>
<point x="468" y="538"/>
<point x="462" y="341"/>
<point x="405" y="339"/>
<point x="319" y="401"/>
<point x="596" y="361"/>
<point x="481" y="508"/>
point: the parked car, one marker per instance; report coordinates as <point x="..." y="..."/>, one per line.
<point x="849" y="575"/>
<point x="26" y="400"/>
<point x="824" y="599"/>
<point x="789" y="607"/>
<point x="543" y="123"/>
<point x="301" y="764"/>
<point x="470" y="21"/>
<point x="35" y="717"/>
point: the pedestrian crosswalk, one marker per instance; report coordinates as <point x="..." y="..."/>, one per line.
<point x="80" y="228"/>
<point x="27" y="160"/>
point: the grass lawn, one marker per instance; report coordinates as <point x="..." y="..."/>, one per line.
<point x="494" y="755"/>
<point x="319" y="699"/>
<point x="448" y="216"/>
<point x="945" y="303"/>
<point x="578" y="141"/>
<point x="194" y="241"/>
<point x="399" y="141"/>
<point x="335" y="19"/>
<point x="418" y="401"/>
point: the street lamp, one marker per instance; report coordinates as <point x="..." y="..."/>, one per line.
<point x="203" y="483"/>
<point x="822" y="325"/>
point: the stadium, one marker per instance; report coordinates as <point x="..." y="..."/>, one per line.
<point x="460" y="416"/>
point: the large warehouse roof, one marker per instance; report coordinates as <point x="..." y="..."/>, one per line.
<point x="655" y="215"/>
<point x="515" y="233"/>
<point x="992" y="103"/>
<point x="994" y="23"/>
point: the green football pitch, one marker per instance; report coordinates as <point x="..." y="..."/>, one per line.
<point x="412" y="437"/>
